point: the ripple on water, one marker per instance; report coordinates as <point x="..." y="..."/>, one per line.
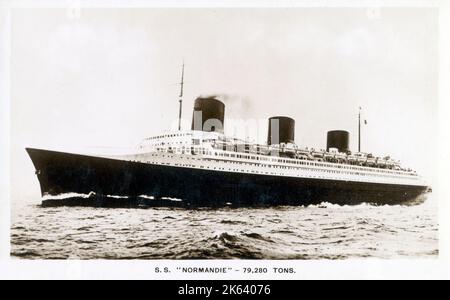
<point x="313" y="232"/>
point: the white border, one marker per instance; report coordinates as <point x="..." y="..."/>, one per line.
<point x="4" y="131"/>
<point x="351" y="269"/>
<point x="226" y="3"/>
<point x="443" y="147"/>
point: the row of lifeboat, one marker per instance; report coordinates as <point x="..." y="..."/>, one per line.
<point x="311" y="154"/>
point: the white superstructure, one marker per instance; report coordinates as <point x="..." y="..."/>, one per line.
<point x="216" y="152"/>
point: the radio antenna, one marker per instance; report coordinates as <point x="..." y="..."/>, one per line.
<point x="181" y="98"/>
<point x="359" y="130"/>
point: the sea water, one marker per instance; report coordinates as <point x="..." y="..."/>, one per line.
<point x="324" y="231"/>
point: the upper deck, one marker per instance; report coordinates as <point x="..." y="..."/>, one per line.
<point x="286" y="159"/>
<point x="197" y="142"/>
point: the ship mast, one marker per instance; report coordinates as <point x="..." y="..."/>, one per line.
<point x="181" y="98"/>
<point x="359" y="130"/>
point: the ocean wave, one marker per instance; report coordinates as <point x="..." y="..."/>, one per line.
<point x="258" y="236"/>
<point x="226" y="237"/>
<point x="335" y="232"/>
<point x="421" y="201"/>
<point x="68" y="195"/>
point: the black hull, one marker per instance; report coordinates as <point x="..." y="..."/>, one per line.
<point x="61" y="173"/>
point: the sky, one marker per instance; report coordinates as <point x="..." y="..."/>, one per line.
<point x="109" y="77"/>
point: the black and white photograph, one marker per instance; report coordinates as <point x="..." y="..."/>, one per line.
<point x="223" y="133"/>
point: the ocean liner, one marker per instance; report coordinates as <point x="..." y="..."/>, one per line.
<point x="203" y="167"/>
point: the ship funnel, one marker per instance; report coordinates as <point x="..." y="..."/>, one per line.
<point x="338" y="139"/>
<point x="209" y="115"/>
<point x="281" y="130"/>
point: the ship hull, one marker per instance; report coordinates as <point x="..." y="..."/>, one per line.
<point x="119" y="183"/>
